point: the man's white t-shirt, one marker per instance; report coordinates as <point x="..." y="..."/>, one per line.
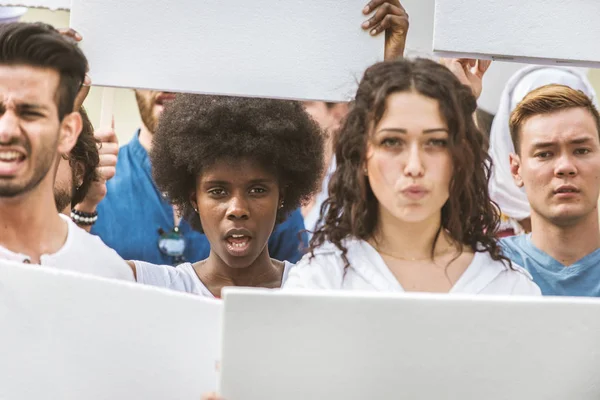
<point x="182" y="278"/>
<point x="83" y="253"/>
<point x="368" y="272"/>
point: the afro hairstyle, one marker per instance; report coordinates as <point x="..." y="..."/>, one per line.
<point x="196" y="131"/>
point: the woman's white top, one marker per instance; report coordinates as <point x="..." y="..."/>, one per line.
<point x="368" y="272"/>
<point x="182" y="278"/>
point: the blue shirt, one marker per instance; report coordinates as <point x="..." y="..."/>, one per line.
<point x="580" y="279"/>
<point x="133" y="211"/>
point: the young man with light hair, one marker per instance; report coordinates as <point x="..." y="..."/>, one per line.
<point x="555" y="130"/>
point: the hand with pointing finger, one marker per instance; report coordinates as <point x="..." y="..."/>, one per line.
<point x="390" y="17"/>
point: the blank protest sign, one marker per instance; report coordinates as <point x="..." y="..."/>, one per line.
<point x="549" y="32"/>
<point x="72" y="337"/>
<point x="310" y="49"/>
<point x="50" y="4"/>
<point x="351" y="346"/>
<point x="419" y="41"/>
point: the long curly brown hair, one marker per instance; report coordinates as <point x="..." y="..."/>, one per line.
<point x="351" y="210"/>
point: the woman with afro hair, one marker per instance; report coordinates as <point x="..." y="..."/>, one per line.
<point x="234" y="168"/>
<point x="408" y="206"/>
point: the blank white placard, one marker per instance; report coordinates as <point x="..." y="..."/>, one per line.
<point x="351" y="346"/>
<point x="72" y="337"/>
<point x="419" y="42"/>
<point x="310" y="49"/>
<point x="532" y="31"/>
<point x="50" y="4"/>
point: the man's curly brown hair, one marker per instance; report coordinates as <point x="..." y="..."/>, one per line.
<point x="352" y="209"/>
<point x="84" y="159"/>
<point x="195" y="131"/>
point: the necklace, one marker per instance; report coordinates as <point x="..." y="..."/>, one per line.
<point x="436" y="254"/>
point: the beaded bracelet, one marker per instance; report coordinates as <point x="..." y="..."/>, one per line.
<point x="83" y="218"/>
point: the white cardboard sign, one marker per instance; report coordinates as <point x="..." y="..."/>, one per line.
<point x="49" y="4"/>
<point x="311" y="49"/>
<point x="419" y="42"/>
<point x="71" y="337"/>
<point x="519" y="30"/>
<point x="351" y="346"/>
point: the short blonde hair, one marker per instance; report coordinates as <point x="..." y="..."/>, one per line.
<point x="546" y="100"/>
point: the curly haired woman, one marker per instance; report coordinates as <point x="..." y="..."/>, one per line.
<point x="408" y="206"/>
<point x="234" y="167"/>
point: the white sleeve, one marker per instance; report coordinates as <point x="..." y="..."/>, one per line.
<point x="319" y="272"/>
<point x="164" y="276"/>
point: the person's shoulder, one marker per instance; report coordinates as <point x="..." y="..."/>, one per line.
<point x="511" y="278"/>
<point x="181" y="278"/>
<point x="187" y="280"/>
<point x="327" y="248"/>
<point x="513" y="247"/>
<point x="88" y="241"/>
<point x="354" y="248"/>
<point x="326" y="255"/>
<point x="505" y="266"/>
<point x="523" y="283"/>
<point x="323" y="268"/>
<point x="513" y="242"/>
<point x="91" y="250"/>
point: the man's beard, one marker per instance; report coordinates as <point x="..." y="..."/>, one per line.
<point x="42" y="165"/>
<point x="146" y="106"/>
<point x="63" y="197"/>
<point x="65" y="191"/>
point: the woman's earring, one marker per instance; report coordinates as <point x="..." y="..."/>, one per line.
<point x="365" y="171"/>
<point x="281" y="204"/>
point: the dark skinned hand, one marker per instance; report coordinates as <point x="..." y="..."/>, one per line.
<point x="390" y="17"/>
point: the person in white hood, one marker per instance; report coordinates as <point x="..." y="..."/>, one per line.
<point x="408" y="206"/>
<point x="11" y="14"/>
<point x="511" y="199"/>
